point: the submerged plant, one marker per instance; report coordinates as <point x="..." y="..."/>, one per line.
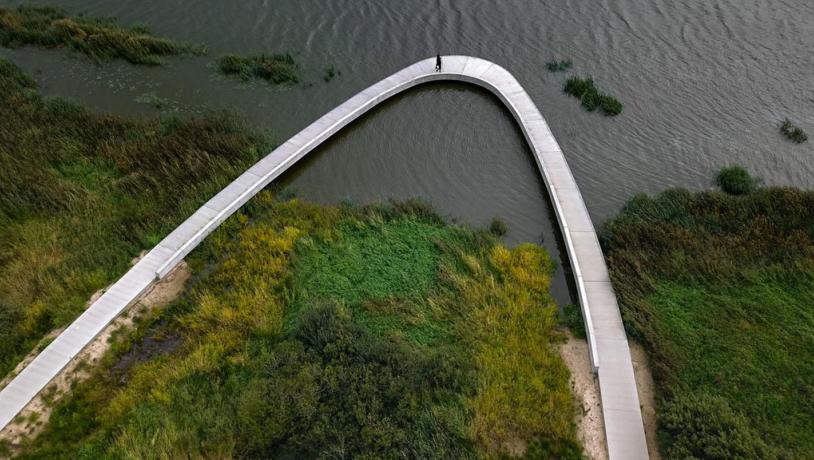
<point x="330" y="73"/>
<point x="590" y="97"/>
<point x="99" y="39"/>
<point x="792" y="132"/>
<point x="274" y="68"/>
<point x="558" y="66"/>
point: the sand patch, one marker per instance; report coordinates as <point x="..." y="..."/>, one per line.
<point x="585" y="388"/>
<point x="647" y="396"/>
<point x="33" y="418"/>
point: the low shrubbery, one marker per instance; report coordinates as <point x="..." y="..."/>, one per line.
<point x="373" y="332"/>
<point x="590" y="97"/>
<point x="82" y="194"/>
<point x="100" y="39"/>
<point x="792" y="132"/>
<point x="719" y="288"/>
<point x="274" y="68"/>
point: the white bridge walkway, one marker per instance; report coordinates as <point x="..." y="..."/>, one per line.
<point x="610" y="355"/>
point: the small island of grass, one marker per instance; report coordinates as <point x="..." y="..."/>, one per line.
<point x="590" y="97"/>
<point x="792" y="132"/>
<point x="274" y="68"/>
<point x="99" y="39"/>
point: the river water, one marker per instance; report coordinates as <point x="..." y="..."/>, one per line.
<point x="705" y="83"/>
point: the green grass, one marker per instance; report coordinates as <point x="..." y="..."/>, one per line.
<point x="736" y="180"/>
<point x="83" y="194"/>
<point x="99" y="39"/>
<point x="374" y="332"/>
<point x="792" y="132"/>
<point x="719" y="288"/>
<point x="274" y="68"/>
<point x="590" y="97"/>
<point x="558" y="65"/>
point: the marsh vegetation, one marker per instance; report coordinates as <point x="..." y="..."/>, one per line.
<point x="719" y="288"/>
<point x="792" y="132"/>
<point x="274" y="68"/>
<point x="83" y="194"/>
<point x="99" y="39"/>
<point x="357" y="332"/>
<point x="590" y="97"/>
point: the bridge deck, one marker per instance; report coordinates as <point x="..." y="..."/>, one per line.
<point x="610" y="355"/>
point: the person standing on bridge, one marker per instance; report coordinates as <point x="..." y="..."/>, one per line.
<point x="438" y="63"/>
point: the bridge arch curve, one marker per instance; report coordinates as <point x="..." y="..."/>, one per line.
<point x="609" y="352"/>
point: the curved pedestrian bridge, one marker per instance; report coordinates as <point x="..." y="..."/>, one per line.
<point x="610" y="355"/>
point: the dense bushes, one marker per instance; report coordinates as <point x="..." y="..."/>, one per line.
<point x="417" y="340"/>
<point x="274" y="68"/>
<point x="99" y="39"/>
<point x="719" y="288"/>
<point x="83" y="194"/>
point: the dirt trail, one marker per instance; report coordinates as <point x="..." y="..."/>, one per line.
<point x="33" y="418"/>
<point x="585" y="387"/>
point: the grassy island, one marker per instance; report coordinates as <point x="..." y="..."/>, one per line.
<point x="720" y="287"/>
<point x="310" y="332"/>
<point x="84" y="193"/>
<point x="591" y="99"/>
<point x="274" y="68"/>
<point x="99" y="39"/>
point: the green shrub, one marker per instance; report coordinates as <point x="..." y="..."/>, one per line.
<point x="792" y="132"/>
<point x="498" y="227"/>
<point x="99" y="39"/>
<point x="736" y="180"/>
<point x="572" y="319"/>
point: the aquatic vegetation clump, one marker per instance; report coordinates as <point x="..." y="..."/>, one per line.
<point x="719" y="289"/>
<point x="558" y="66"/>
<point x="792" y="132"/>
<point x="99" y="39"/>
<point x="736" y="180"/>
<point x="274" y="68"/>
<point x="368" y="332"/>
<point x="590" y="97"/>
<point x="83" y="193"/>
<point x="330" y="73"/>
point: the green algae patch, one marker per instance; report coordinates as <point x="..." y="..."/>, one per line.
<point x="311" y="331"/>
<point x="99" y="39"/>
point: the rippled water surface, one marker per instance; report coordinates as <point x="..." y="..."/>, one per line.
<point x="704" y="83"/>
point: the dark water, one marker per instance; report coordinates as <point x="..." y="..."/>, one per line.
<point x="704" y="83"/>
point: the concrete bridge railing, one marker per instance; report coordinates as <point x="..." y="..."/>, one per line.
<point x="610" y="355"/>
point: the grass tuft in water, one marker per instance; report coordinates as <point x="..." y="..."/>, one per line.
<point x="792" y="132"/>
<point x="736" y="180"/>
<point x="274" y="68"/>
<point x="558" y="66"/>
<point x="590" y="97"/>
<point x="330" y="73"/>
<point x="99" y="39"/>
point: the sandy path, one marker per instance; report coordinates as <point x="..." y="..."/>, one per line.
<point x="585" y="387"/>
